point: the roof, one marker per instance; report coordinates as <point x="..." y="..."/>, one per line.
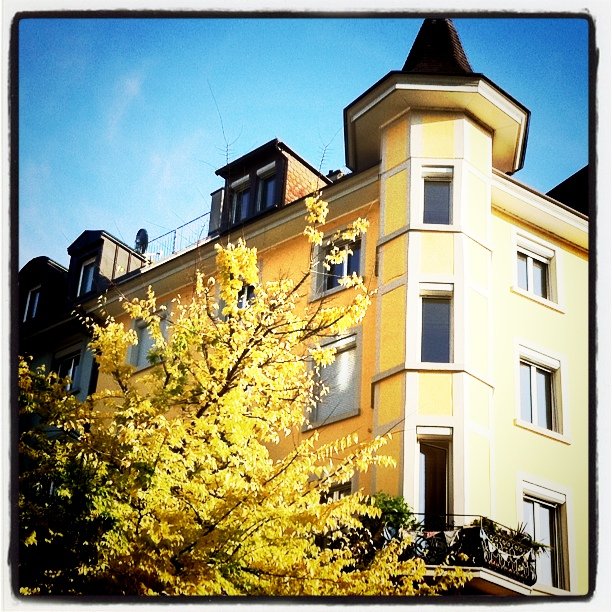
<point x="574" y="191"/>
<point x="90" y="237"/>
<point x="41" y="263"/>
<point x="265" y="149"/>
<point x="437" y="50"/>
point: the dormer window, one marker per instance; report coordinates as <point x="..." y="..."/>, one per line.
<point x="31" y="307"/>
<point x="241" y="200"/>
<point x="86" y="279"/>
<point x="266" y="187"/>
<point x="258" y="183"/>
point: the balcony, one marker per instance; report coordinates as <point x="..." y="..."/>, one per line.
<point x="476" y="542"/>
<point x="189" y="234"/>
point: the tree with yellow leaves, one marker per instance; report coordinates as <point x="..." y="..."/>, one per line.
<point x="171" y="475"/>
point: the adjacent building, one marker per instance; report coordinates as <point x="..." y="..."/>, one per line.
<point x="475" y="351"/>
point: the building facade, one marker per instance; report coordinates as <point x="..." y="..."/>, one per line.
<point x="474" y="353"/>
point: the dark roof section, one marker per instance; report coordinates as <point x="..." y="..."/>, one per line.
<point x="437" y="50"/>
<point x="574" y="191"/>
<point x="252" y="157"/>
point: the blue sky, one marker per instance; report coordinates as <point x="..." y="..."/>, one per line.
<point x="119" y="124"/>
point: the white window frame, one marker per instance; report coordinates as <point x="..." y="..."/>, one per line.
<point x="75" y="372"/>
<point x="439" y="291"/>
<point x="33" y="295"/>
<point x="538" y="360"/>
<point x="322" y="274"/>
<point x="349" y="342"/>
<point x="536" y="249"/>
<point x="557" y="500"/>
<point x="91" y="261"/>
<point x="245" y="295"/>
<point x="442" y="174"/>
<point x="441" y="437"/>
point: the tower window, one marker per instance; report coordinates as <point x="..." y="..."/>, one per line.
<point x="437" y="196"/>
<point x="436" y="204"/>
<point x="436" y="329"/>
<point x="434" y="470"/>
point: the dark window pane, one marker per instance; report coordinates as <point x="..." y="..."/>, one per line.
<point x="267" y="192"/>
<point x="69" y="366"/>
<point x="433" y="484"/>
<point x="435" y="339"/>
<point x="87" y="276"/>
<point x="32" y="304"/>
<point x="544" y="394"/>
<point x="332" y="276"/>
<point x="526" y="392"/>
<point x="336" y="271"/>
<point x="353" y="259"/>
<point x="436" y="207"/>
<point x="540" y="278"/>
<point x="521" y="271"/>
<point x="541" y="524"/>
<point x="240" y="208"/>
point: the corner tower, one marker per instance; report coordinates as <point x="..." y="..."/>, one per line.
<point x="439" y="132"/>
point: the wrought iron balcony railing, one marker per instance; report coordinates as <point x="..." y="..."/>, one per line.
<point x="179" y="239"/>
<point x="475" y="541"/>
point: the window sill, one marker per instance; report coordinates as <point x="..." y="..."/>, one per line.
<point x="316" y="425"/>
<point x="440" y="366"/>
<point x="435" y="227"/>
<point x="536" y="298"/>
<point x="138" y="369"/>
<point x="319" y="295"/>
<point x="548" y="433"/>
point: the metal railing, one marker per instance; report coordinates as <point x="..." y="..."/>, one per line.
<point x="475" y="541"/>
<point x="179" y="239"/>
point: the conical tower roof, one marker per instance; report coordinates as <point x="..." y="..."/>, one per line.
<point x="437" y="50"/>
<point x="436" y="76"/>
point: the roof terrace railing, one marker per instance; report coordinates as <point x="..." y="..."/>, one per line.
<point x="179" y="239"/>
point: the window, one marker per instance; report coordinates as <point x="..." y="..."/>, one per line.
<point x="532" y="274"/>
<point x="436" y="329"/>
<point x="540" y="390"/>
<point x="535" y="263"/>
<point x="240" y="204"/>
<point x="86" y="280"/>
<point x="543" y="522"/>
<point x="434" y="487"/>
<point x="341" y="378"/>
<point x="68" y="366"/>
<point x="245" y="295"/>
<point x="330" y="279"/>
<point x="139" y="356"/>
<point x="266" y="187"/>
<point x="437" y="196"/>
<point x="253" y="193"/>
<point x="337" y="492"/>
<point x="31" y="306"/>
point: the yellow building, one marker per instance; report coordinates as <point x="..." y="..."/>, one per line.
<point x="474" y="353"/>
